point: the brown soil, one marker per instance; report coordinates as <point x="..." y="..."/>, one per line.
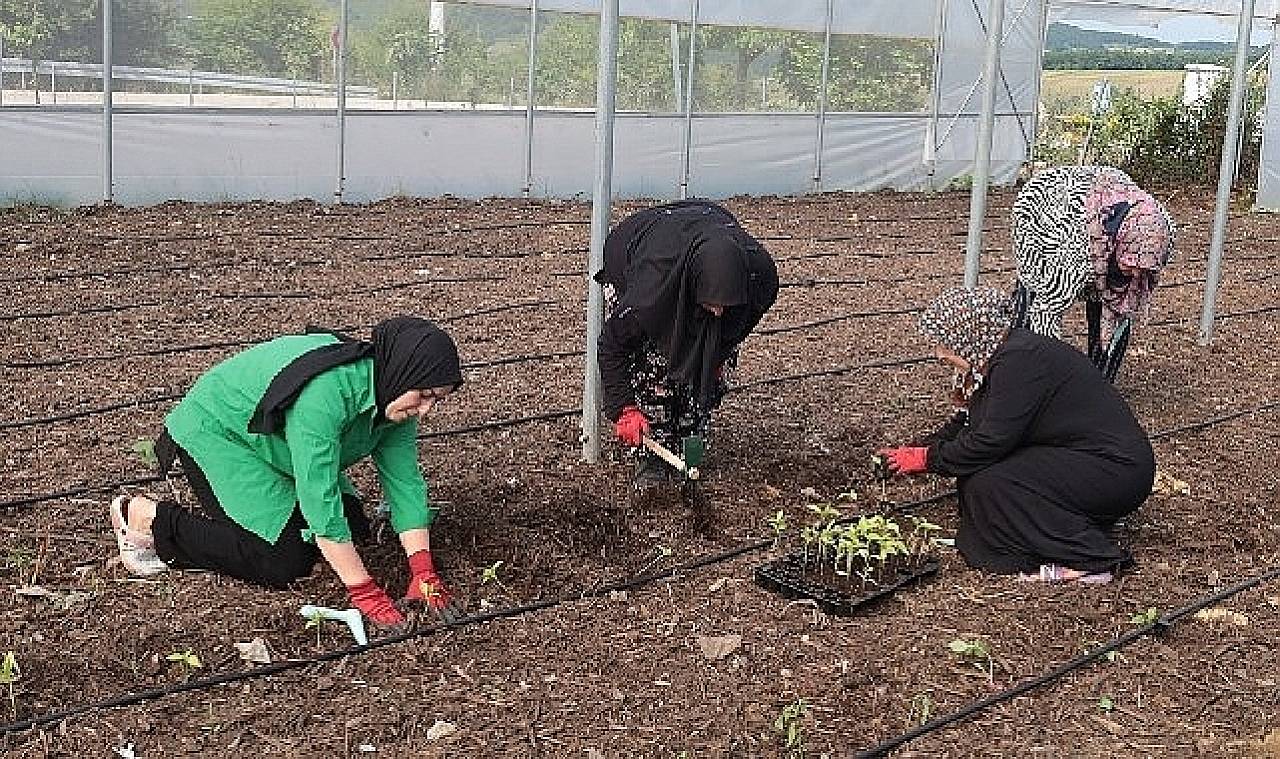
<point x="622" y="674"/>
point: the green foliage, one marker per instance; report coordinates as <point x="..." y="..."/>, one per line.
<point x="187" y="660"/>
<point x="866" y="73"/>
<point x="778" y="523"/>
<point x="1156" y="139"/>
<point x="1144" y="618"/>
<point x="146" y="450"/>
<point x="288" y="38"/>
<point x="10" y="673"/>
<point x="976" y="651"/>
<point x="1106" y="703"/>
<point x="490" y="575"/>
<point x="143" y="30"/>
<point x="790" y="724"/>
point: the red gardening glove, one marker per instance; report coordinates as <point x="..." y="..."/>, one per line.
<point x="374" y="603"/>
<point x="425" y="584"/>
<point x="631" y="426"/>
<point x="907" y="459"/>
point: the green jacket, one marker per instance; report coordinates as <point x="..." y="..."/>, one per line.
<point x="258" y="479"/>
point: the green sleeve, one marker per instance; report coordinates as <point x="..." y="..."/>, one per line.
<point x="312" y="432"/>
<point x="403" y="487"/>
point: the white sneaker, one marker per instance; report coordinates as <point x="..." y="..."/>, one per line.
<point x="137" y="549"/>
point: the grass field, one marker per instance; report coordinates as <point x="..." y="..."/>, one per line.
<point x="1065" y="84"/>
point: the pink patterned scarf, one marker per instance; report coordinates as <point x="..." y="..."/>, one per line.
<point x="1142" y="240"/>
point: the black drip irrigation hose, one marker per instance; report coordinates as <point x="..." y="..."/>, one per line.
<point x="1160" y="626"/>
<point x="80" y="414"/>
<point x="838" y="318"/>
<point x="191" y="348"/>
<point x="861" y="281"/>
<point x="205" y="683"/>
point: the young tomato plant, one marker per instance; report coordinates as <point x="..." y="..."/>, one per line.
<point x="316" y="620"/>
<point x="187" y="660"/>
<point x="490" y="575"/>
<point x="790" y="724"/>
<point x="975" y="651"/>
<point x="10" y="673"/>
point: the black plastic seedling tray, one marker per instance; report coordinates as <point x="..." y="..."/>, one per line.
<point x="786" y="576"/>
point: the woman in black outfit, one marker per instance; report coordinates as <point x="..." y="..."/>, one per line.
<point x="1050" y="456"/>
<point x="685" y="285"/>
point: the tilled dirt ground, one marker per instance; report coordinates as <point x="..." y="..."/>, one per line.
<point x="108" y="314"/>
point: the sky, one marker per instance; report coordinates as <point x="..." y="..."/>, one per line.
<point x="1184" y="28"/>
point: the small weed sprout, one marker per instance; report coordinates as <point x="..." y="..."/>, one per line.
<point x="791" y="726"/>
<point x="922" y="705"/>
<point x="1144" y="618"/>
<point x="145" y="448"/>
<point x="10" y="673"/>
<point x="663" y="552"/>
<point x="975" y="651"/>
<point x="315" y="619"/>
<point x="778" y="523"/>
<point x="1106" y="704"/>
<point x="490" y="575"/>
<point x="187" y="660"/>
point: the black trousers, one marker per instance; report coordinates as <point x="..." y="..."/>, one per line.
<point x="186" y="540"/>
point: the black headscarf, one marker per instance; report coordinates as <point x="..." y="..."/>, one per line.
<point x="666" y="261"/>
<point x="408" y="354"/>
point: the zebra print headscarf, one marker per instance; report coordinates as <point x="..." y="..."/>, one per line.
<point x="972" y="323"/>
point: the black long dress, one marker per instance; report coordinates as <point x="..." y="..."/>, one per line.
<point x="659" y="349"/>
<point x="1050" y="458"/>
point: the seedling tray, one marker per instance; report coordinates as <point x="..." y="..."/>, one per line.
<point x="787" y="577"/>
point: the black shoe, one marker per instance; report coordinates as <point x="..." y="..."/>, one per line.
<point x="651" y="472"/>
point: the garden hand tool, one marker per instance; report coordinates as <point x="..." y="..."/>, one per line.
<point x="355" y="622"/>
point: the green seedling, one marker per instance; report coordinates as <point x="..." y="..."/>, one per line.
<point x="778" y="523"/>
<point x="187" y="660"/>
<point x="1144" y="618"/>
<point x="490" y="575"/>
<point x="1106" y="704"/>
<point x="663" y="552"/>
<point x="1089" y="645"/>
<point x="825" y="513"/>
<point x="10" y="673"/>
<point x="921" y="704"/>
<point x="975" y="651"/>
<point x="790" y="725"/>
<point x="315" y="619"/>
<point x="146" y="450"/>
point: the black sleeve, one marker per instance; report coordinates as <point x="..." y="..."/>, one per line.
<point x="620" y="339"/>
<point x="1014" y="395"/>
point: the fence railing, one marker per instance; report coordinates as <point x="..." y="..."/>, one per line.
<point x="190" y="77"/>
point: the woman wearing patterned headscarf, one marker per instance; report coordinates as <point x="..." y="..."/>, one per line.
<point x="687" y="284"/>
<point x="1050" y="456"/>
<point x="263" y="439"/>
<point x="1088" y="232"/>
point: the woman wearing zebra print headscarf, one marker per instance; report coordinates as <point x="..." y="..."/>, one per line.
<point x="1050" y="455"/>
<point x="1088" y="232"/>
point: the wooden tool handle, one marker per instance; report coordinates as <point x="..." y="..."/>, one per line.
<point x="664" y="453"/>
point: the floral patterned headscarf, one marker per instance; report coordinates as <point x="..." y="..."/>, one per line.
<point x="1126" y="226"/>
<point x="972" y="323"/>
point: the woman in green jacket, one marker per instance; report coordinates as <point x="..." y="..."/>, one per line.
<point x="264" y="438"/>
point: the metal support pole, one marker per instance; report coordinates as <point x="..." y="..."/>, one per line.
<point x="191" y="88"/>
<point x="601" y="201"/>
<point x="530" y="95"/>
<point x="982" y="160"/>
<point x="341" y="85"/>
<point x="2" y="66"/>
<point x="930" y="157"/>
<point x="822" y="101"/>
<point x="688" y="100"/>
<point x="108" y="191"/>
<point x="1225" y="170"/>
<point x="53" y="82"/>
<point x="1042" y="35"/>
<point x="676" y="84"/>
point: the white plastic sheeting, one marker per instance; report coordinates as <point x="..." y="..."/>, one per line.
<point x="1152" y="12"/>
<point x="53" y="156"/>
<point x="886" y="18"/>
<point x="1268" y="197"/>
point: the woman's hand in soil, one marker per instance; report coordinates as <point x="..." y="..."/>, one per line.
<point x="906" y="459"/>
<point x="426" y="586"/>
<point x="374" y="603"/>
<point x="631" y="426"/>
